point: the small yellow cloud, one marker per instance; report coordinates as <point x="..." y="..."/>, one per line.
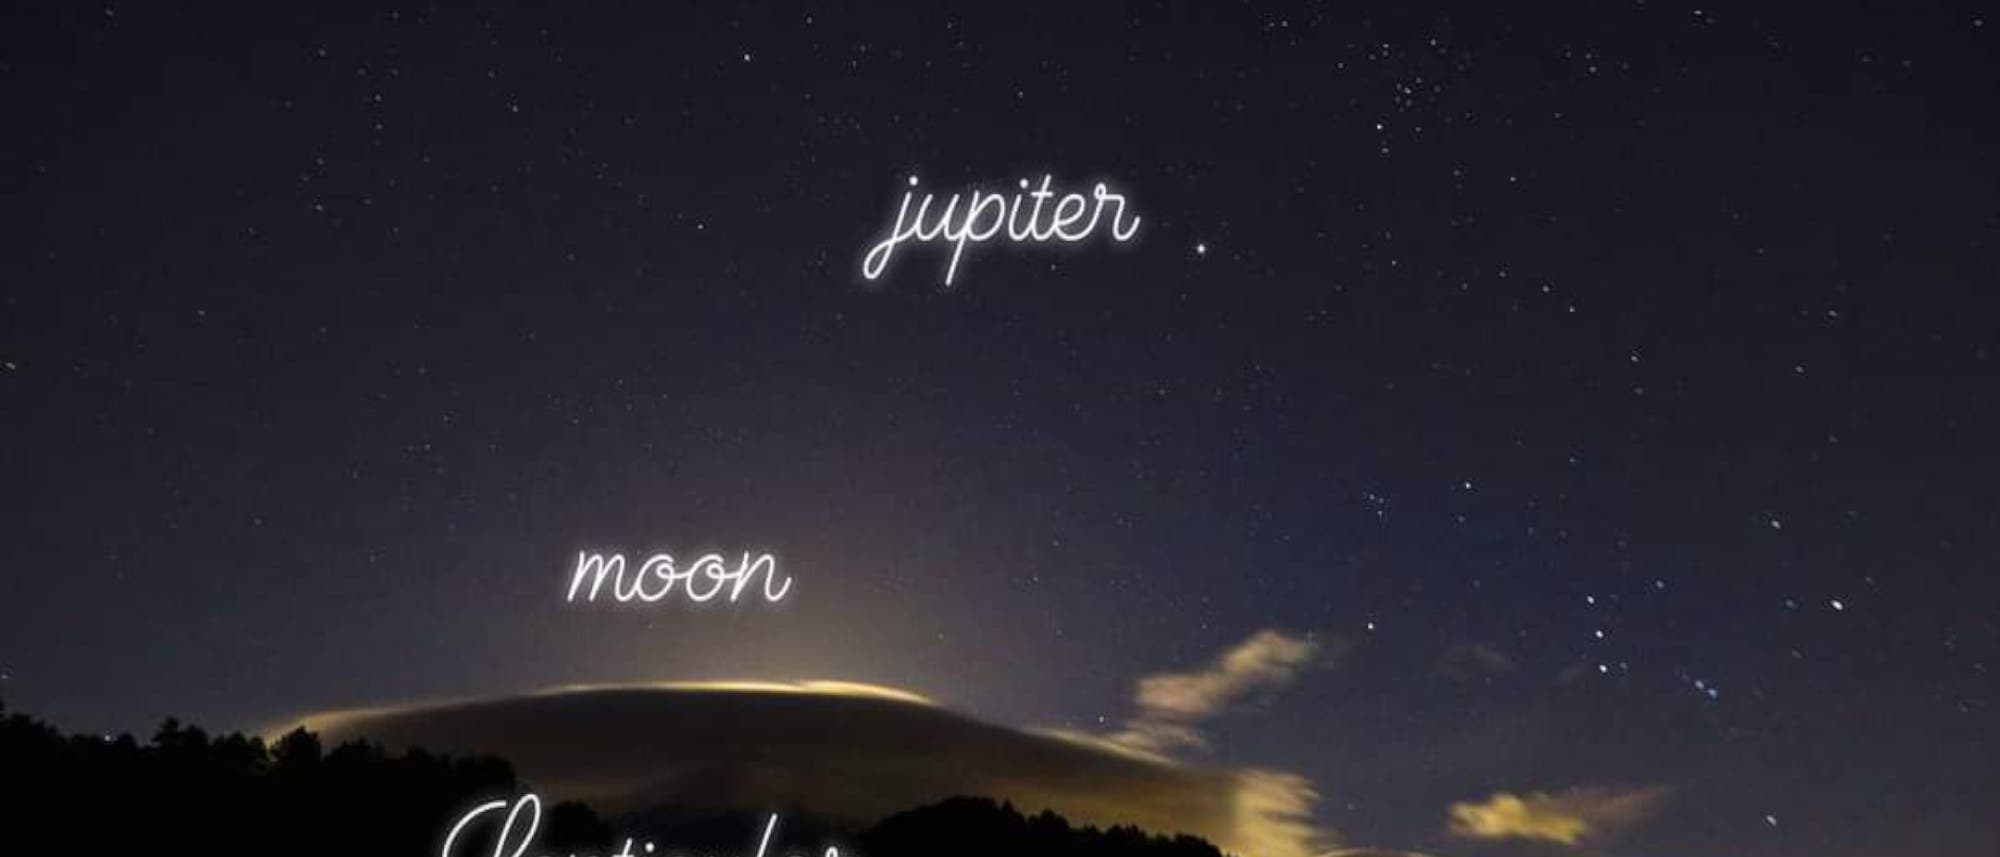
<point x="1269" y="658"/>
<point x="1172" y="705"/>
<point x="1567" y="817"/>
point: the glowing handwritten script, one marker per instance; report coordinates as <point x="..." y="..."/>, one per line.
<point x="526" y="812"/>
<point x="658" y="576"/>
<point x="984" y="215"/>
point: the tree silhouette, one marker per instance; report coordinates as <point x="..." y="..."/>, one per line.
<point x="188" y="792"/>
<point x="979" y="827"/>
<point x="185" y="791"/>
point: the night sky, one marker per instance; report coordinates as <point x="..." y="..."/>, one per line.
<point x="1610" y="391"/>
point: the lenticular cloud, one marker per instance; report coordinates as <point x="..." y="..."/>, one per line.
<point x="842" y="751"/>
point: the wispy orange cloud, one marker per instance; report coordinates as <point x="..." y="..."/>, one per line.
<point x="1567" y="818"/>
<point x="1172" y="704"/>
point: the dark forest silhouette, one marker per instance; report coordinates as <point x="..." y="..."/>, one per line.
<point x="226" y="795"/>
<point x="978" y="827"/>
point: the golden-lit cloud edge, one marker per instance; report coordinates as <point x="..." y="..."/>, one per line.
<point x="822" y="687"/>
<point x="333" y="718"/>
<point x="1104" y="744"/>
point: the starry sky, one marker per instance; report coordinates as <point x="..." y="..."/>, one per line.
<point x="1605" y="393"/>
